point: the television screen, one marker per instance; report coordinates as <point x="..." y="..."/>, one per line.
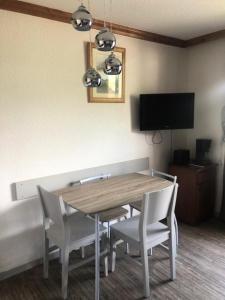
<point x="166" y="111"/>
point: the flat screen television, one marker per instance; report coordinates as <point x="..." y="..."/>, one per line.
<point x="166" y="111"/>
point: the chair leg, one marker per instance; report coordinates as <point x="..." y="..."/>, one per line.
<point x="127" y="250"/>
<point x="112" y="253"/>
<point x="108" y="229"/>
<point x="82" y="252"/>
<point x="106" y="266"/>
<point x="104" y="241"/>
<point x="45" y="256"/>
<point x="131" y="211"/>
<point x="144" y="258"/>
<point x="65" y="270"/>
<point x="172" y="252"/>
<point x="176" y="230"/>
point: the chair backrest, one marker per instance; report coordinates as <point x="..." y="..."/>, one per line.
<point x="90" y="179"/>
<point x="53" y="208"/>
<point x="95" y="178"/>
<point x="164" y="175"/>
<point x="158" y="206"/>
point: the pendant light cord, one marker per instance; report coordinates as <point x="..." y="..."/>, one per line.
<point x="111" y="15"/>
<point x="104" y="13"/>
<point x="89" y="9"/>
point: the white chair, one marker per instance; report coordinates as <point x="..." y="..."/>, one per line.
<point x="68" y="232"/>
<point x="145" y="231"/>
<point x="69" y="211"/>
<point x="137" y="204"/>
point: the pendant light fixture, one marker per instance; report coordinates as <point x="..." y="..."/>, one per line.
<point x="112" y="65"/>
<point x="81" y="19"/>
<point x="91" y="78"/>
<point x="105" y="39"/>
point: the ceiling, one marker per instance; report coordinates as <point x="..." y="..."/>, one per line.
<point x="182" y="19"/>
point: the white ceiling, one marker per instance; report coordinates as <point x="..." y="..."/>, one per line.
<point x="183" y="19"/>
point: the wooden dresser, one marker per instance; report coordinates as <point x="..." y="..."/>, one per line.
<point x="196" y="193"/>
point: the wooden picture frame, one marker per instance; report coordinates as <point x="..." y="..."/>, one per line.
<point x="112" y="89"/>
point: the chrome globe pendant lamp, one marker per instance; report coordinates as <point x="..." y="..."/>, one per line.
<point x="112" y="65"/>
<point x="105" y="39"/>
<point x="91" y="78"/>
<point x="81" y="19"/>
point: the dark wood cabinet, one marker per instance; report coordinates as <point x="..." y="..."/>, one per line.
<point x="196" y="193"/>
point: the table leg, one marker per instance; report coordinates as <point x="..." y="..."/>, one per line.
<point x="97" y="257"/>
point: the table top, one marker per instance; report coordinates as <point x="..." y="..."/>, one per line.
<point x="98" y="196"/>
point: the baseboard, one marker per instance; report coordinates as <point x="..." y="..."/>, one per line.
<point x="5" y="275"/>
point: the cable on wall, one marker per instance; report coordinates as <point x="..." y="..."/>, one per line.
<point x="157" y="138"/>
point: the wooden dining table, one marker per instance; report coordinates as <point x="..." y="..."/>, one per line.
<point x="95" y="197"/>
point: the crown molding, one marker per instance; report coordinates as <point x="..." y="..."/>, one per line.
<point x="62" y="16"/>
<point x="205" y="38"/>
<point x="142" y="35"/>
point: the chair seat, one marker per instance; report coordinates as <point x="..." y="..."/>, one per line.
<point x="82" y="231"/>
<point x="130" y="229"/>
<point x="136" y="205"/>
<point x="113" y="214"/>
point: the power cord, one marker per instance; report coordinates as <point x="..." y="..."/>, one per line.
<point x="155" y="140"/>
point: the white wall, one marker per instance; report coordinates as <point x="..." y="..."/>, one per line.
<point x="206" y="77"/>
<point x="47" y="126"/>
